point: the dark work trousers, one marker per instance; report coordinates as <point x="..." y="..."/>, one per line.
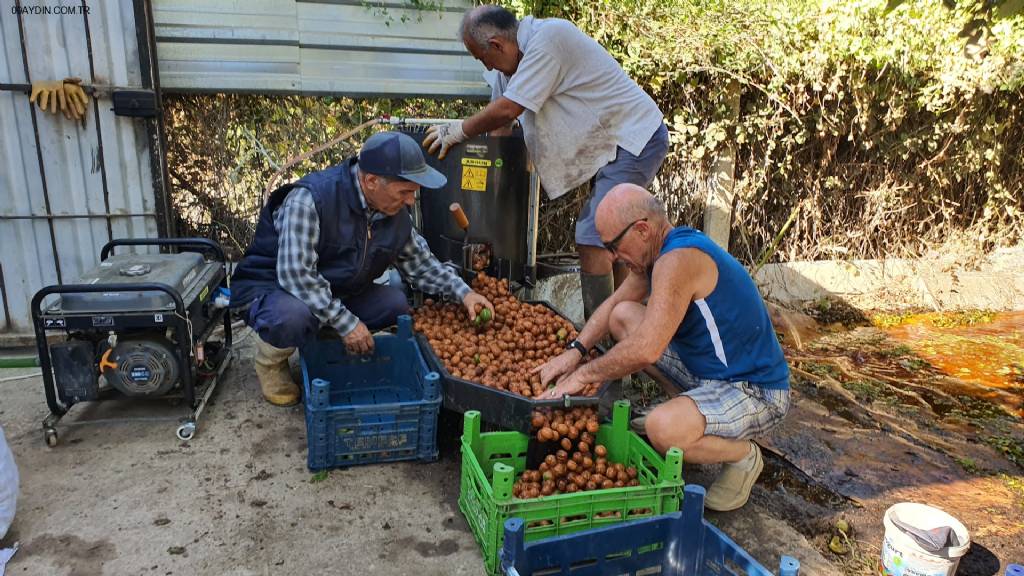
<point x="284" y="321"/>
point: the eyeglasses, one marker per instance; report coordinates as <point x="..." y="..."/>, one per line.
<point x="613" y="244"/>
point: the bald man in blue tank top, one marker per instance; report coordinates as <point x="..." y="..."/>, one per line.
<point x="690" y="315"/>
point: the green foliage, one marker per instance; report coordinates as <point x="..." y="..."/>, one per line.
<point x="969" y="466"/>
<point x="1012" y="448"/>
<point x="822" y="369"/>
<point x="878" y="122"/>
<point x="978" y="412"/>
<point x="890" y="130"/>
<point x="223" y="149"/>
<point x="897" y="351"/>
<point x="963" y="318"/>
<point x="1015" y="484"/>
<point x="868" y="390"/>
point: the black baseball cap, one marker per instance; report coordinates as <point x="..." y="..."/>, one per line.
<point x="396" y="154"/>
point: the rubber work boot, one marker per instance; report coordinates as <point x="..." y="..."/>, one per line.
<point x="732" y="488"/>
<point x="595" y="288"/>
<point x="639" y="423"/>
<point x="274" y="375"/>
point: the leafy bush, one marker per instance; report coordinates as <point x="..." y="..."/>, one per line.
<point x="878" y="126"/>
<point x="876" y="133"/>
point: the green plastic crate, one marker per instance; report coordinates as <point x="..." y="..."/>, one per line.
<point x="491" y="463"/>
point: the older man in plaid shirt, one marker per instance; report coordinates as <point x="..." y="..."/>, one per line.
<point x="321" y="241"/>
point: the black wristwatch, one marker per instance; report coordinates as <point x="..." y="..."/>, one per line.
<point x="579" y="347"/>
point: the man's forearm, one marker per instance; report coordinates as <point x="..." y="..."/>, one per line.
<point x="623" y="359"/>
<point x="424" y="271"/>
<point x="597" y="327"/>
<point x="498" y="114"/>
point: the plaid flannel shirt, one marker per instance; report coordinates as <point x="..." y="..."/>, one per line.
<point x="298" y="228"/>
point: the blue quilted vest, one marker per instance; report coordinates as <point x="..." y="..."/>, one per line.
<point x="351" y="252"/>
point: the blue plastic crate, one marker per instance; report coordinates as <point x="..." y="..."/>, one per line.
<point x="371" y="408"/>
<point x="679" y="544"/>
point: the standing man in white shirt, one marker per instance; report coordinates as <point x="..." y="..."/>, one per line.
<point x="583" y="118"/>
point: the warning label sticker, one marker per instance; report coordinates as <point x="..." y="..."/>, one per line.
<point x="476" y="162"/>
<point x="474" y="178"/>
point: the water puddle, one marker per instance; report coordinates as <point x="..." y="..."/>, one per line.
<point x="984" y="350"/>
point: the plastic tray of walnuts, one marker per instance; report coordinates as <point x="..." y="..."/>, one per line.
<point x="487" y="368"/>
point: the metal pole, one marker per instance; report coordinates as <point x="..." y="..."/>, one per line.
<point x="3" y="296"/>
<point x="96" y="115"/>
<point x="106" y="215"/>
<point x="146" y="40"/>
<point x="397" y="121"/>
<point x="532" y="231"/>
<point x="39" y="148"/>
<point x="94" y="90"/>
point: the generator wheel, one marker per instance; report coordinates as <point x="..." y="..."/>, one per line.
<point x="50" y="436"/>
<point x="186" y="431"/>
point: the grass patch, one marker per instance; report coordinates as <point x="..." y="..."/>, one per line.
<point x="643" y="390"/>
<point x="831" y="311"/>
<point x="936" y="319"/>
<point x="319" y="476"/>
<point x="913" y="363"/>
<point x="822" y="369"/>
<point x="1012" y="448"/>
<point x="887" y="320"/>
<point x="904" y="356"/>
<point x="1015" y="484"/>
<point x="963" y="318"/>
<point x="977" y="411"/>
<point x="969" y="466"/>
<point x="870" y="391"/>
<point x="897" y="351"/>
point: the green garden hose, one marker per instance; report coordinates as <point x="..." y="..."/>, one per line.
<point x="19" y="362"/>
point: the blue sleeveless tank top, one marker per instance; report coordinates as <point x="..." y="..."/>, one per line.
<point x="727" y="335"/>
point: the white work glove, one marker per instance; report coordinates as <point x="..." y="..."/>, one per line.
<point x="442" y="137"/>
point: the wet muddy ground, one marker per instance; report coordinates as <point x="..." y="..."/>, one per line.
<point x="923" y="408"/>
<point x="890" y="408"/>
<point x="880" y="416"/>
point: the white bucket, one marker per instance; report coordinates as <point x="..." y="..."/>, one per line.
<point x="902" y="556"/>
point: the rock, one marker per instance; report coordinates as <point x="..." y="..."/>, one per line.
<point x="796" y="328"/>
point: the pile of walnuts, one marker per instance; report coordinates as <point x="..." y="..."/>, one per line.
<point x="579" y="464"/>
<point x="500" y="352"/>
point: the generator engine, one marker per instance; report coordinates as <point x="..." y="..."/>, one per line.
<point x="136" y="326"/>
<point x="141" y="365"/>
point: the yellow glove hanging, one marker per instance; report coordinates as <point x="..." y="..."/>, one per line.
<point x="76" y="98"/>
<point x="66" y="95"/>
<point x="46" y="92"/>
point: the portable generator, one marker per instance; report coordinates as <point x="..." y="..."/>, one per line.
<point x="136" y="326"/>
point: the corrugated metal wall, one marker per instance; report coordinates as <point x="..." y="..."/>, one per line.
<point x="342" y="47"/>
<point x="66" y="189"/>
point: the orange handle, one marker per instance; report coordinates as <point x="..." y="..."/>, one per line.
<point x="105" y="362"/>
<point x="459" y="215"/>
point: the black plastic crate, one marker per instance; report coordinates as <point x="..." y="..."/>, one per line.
<point x="504" y="409"/>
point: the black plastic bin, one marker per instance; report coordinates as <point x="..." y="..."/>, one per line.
<point x="504" y="409"/>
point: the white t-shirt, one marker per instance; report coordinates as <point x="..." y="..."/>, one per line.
<point x="580" y="104"/>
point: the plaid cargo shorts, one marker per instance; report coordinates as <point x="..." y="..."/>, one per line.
<point x="737" y="410"/>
